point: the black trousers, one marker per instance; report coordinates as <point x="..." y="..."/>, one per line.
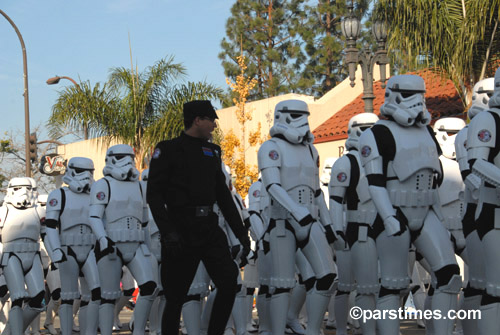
<point x="203" y="240"/>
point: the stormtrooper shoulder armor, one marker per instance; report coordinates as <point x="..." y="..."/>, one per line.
<point x="482" y="131"/>
<point x="55" y="204"/>
<point x="341" y="173"/>
<point x="369" y="153"/>
<point x="100" y="192"/>
<point x="269" y="155"/>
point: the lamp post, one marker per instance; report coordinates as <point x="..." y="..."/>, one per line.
<point x="350" y="29"/>
<point x="55" y="80"/>
<point x="25" y="94"/>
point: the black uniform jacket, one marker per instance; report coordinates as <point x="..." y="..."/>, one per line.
<point x="186" y="172"/>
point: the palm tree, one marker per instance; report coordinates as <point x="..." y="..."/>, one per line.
<point x="138" y="108"/>
<point x="460" y="38"/>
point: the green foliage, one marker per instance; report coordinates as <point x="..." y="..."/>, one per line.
<point x="136" y="108"/>
<point x="323" y="43"/>
<point x="460" y="38"/>
<point x="261" y="31"/>
<point x="291" y="46"/>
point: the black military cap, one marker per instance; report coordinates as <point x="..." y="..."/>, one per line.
<point x="202" y="108"/>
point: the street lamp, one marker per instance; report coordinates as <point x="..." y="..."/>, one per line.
<point x="55" y="80"/>
<point x="26" y="97"/>
<point x="350" y="29"/>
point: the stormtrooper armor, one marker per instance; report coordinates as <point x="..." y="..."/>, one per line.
<point x="446" y="130"/>
<point x="258" y="204"/>
<point x="476" y="267"/>
<point x="156" y="313"/>
<point x="482" y="153"/>
<point x="70" y="235"/>
<point x="289" y="165"/>
<point x="348" y="189"/>
<point x="20" y="260"/>
<point x="451" y="190"/>
<point x="401" y="161"/>
<point x="119" y="216"/>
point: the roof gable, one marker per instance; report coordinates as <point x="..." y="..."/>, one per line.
<point x="441" y="98"/>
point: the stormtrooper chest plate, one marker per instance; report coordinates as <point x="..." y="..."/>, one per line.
<point x="76" y="210"/>
<point x="125" y="200"/>
<point x="298" y="166"/>
<point x="415" y="151"/>
<point x="21" y="224"/>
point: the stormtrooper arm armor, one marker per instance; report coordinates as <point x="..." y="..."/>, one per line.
<point x="53" y="212"/>
<point x="373" y="164"/>
<point x="461" y="152"/>
<point x="481" y="140"/>
<point x="256" y="222"/>
<point x="337" y="188"/>
<point x="99" y="197"/>
<point x="487" y="172"/>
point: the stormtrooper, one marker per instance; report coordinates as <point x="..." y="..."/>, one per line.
<point x="70" y="235"/>
<point x="258" y="204"/>
<point x="484" y="180"/>
<point x="482" y="92"/>
<point x="20" y="230"/>
<point x="119" y="217"/>
<point x="298" y="215"/>
<point x="451" y="190"/>
<point x="401" y="161"/>
<point x="349" y="187"/>
<point x="155" y="248"/>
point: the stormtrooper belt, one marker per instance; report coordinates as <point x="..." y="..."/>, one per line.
<point x="21" y="247"/>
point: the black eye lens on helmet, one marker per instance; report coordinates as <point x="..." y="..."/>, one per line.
<point x="364" y="128"/>
<point x="78" y="170"/>
<point x="295" y="115"/>
<point x="407" y="94"/>
<point x="120" y="156"/>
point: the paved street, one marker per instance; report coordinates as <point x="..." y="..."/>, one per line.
<point x="407" y="327"/>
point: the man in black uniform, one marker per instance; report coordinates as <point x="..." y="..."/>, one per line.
<point x="185" y="180"/>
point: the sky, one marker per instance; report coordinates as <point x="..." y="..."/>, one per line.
<point x="83" y="39"/>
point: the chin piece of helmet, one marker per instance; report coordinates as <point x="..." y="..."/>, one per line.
<point x="19" y="193"/>
<point x="79" y="174"/>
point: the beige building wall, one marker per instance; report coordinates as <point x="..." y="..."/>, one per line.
<point x="94" y="149"/>
<point x="329" y="149"/>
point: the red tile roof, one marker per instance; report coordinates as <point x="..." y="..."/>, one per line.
<point x="441" y="98"/>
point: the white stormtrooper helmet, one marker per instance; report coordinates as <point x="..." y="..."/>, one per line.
<point x="145" y="175"/>
<point x="42" y="199"/>
<point x="405" y="101"/>
<point x="446" y="130"/>
<point x="327" y="170"/>
<point x="34" y="190"/>
<point x="79" y="174"/>
<point x="290" y="121"/>
<point x="358" y="124"/>
<point x="495" y="98"/>
<point x="120" y="163"/>
<point x="481" y="94"/>
<point x="19" y="192"/>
